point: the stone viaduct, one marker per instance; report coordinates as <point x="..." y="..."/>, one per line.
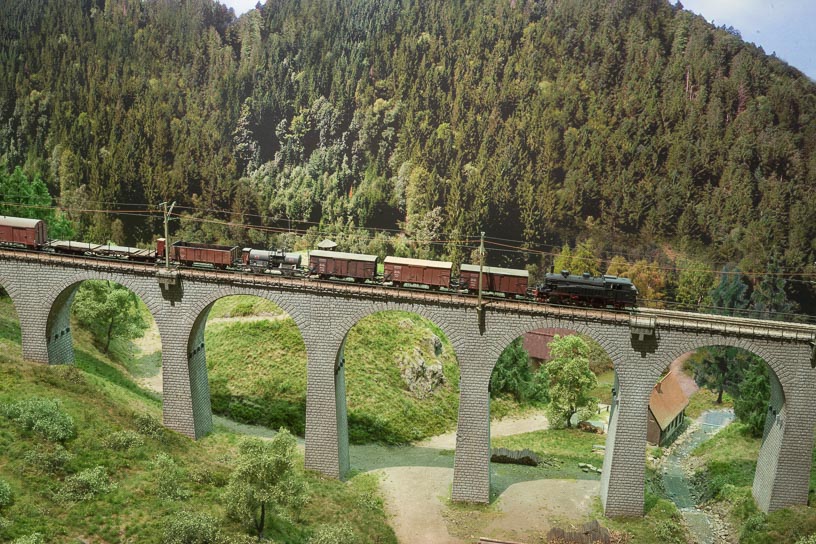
<point x="641" y="344"/>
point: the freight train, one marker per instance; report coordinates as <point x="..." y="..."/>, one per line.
<point x="557" y="288"/>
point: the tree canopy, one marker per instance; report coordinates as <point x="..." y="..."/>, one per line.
<point x="538" y="121"/>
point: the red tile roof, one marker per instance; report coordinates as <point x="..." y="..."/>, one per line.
<point x="667" y="400"/>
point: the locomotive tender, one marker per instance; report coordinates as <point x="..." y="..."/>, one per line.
<point x="563" y="288"/>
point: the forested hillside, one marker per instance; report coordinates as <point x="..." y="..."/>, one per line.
<point x="543" y="122"/>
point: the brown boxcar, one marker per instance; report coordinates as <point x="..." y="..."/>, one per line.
<point x="188" y="253"/>
<point x="24" y="232"/>
<point x="498" y="280"/>
<point x="343" y="265"/>
<point x="399" y="270"/>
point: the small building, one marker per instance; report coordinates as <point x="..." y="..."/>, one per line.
<point x="667" y="405"/>
<point x="327" y="245"/>
<point x="536" y="343"/>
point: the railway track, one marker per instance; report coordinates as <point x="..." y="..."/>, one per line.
<point x="639" y="318"/>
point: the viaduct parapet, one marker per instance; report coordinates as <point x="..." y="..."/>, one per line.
<point x="641" y="346"/>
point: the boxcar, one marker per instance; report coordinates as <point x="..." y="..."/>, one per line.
<point x="399" y="271"/>
<point x="343" y="265"/>
<point x="189" y="253"/>
<point x="31" y="233"/>
<point x="498" y="280"/>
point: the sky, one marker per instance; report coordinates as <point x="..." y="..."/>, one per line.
<point x="786" y="27"/>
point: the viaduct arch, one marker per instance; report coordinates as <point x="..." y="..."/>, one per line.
<point x="641" y="345"/>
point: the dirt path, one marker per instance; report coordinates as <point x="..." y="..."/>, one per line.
<point x="687" y="383"/>
<point x="501" y="427"/>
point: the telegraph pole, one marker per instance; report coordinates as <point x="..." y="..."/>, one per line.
<point x="481" y="266"/>
<point x="167" y="233"/>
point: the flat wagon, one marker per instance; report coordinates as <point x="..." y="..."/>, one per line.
<point x="358" y="266"/>
<point x="399" y="271"/>
<point x="189" y="253"/>
<point x="498" y="280"/>
<point x="102" y="250"/>
<point x="31" y="233"/>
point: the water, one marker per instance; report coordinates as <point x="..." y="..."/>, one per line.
<point x="675" y="480"/>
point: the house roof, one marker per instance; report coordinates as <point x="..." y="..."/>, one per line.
<point x="667" y="400"/>
<point x="327" y="244"/>
<point x="537" y="342"/>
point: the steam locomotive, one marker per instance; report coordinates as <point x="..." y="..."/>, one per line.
<point x="563" y="288"/>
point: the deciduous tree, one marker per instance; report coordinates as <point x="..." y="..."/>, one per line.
<point x="108" y="310"/>
<point x="571" y="381"/>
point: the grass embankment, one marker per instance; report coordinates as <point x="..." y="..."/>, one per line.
<point x="258" y="375"/>
<point x="728" y="466"/>
<point x="102" y="401"/>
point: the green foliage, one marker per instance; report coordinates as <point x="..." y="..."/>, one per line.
<point x="170" y="478"/>
<point x="28" y="197"/>
<point x="810" y="539"/>
<point x="43" y="416"/>
<point x="265" y="482"/>
<point x="768" y="299"/>
<point x="192" y="528"/>
<point x="34" y="538"/>
<point x="751" y="405"/>
<point x="694" y="284"/>
<point x="720" y="369"/>
<point x="408" y="127"/>
<point x="48" y="460"/>
<point x="85" y="485"/>
<point x="334" y="534"/>
<point x="108" y="310"/>
<point x="571" y="380"/>
<point x="148" y="426"/>
<point x="730" y="292"/>
<point x="123" y="440"/>
<point x="512" y="375"/>
<point x="6" y="496"/>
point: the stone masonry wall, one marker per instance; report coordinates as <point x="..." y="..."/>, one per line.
<point x="42" y="293"/>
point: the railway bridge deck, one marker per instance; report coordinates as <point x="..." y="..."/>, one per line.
<point x="641" y="345"/>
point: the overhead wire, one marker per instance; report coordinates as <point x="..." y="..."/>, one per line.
<point x="151" y="212"/>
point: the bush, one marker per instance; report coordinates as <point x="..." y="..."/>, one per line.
<point x="334" y="534"/>
<point x="169" y="477"/>
<point x="85" y="485"/>
<point x="34" y="538"/>
<point x="147" y="425"/>
<point x="6" y="496"/>
<point x="192" y="528"/>
<point x="43" y="416"/>
<point x="810" y="539"/>
<point x="46" y="460"/>
<point x="123" y="441"/>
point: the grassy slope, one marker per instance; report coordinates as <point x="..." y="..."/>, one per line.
<point x="102" y="400"/>
<point x="728" y="465"/>
<point x="258" y="375"/>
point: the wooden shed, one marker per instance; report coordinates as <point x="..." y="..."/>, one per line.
<point x="667" y="405"/>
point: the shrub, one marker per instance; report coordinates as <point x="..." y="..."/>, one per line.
<point x="6" y="496"/>
<point x="169" y="477"/>
<point x="192" y="528"/>
<point x="4" y="523"/>
<point x="34" y="538"/>
<point x="123" y="440"/>
<point x="46" y="460"/>
<point x="147" y="425"/>
<point x="810" y="539"/>
<point x="334" y="534"/>
<point x="43" y="416"/>
<point x="85" y="485"/>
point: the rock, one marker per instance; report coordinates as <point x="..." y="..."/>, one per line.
<point x="516" y="457"/>
<point x="588" y="427"/>
<point x="421" y="378"/>
<point x="434" y="344"/>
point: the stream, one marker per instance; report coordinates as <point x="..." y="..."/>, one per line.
<point x="675" y="478"/>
